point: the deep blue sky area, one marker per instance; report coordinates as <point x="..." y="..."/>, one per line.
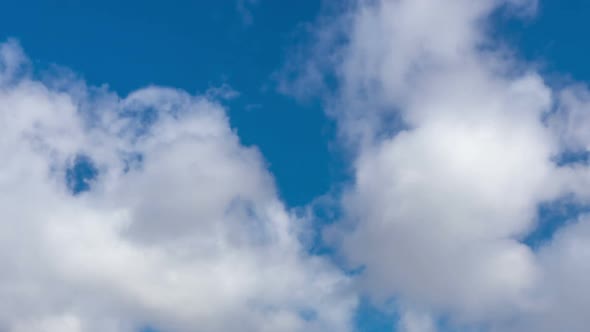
<point x="554" y="38"/>
<point x="195" y="45"/>
<point x="192" y="45"/>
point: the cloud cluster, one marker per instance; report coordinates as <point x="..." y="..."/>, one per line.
<point x="121" y="213"/>
<point x="456" y="145"/>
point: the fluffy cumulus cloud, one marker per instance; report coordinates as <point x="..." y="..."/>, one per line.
<point x="456" y="144"/>
<point x="121" y="213"/>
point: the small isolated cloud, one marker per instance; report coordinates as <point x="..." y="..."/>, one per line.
<point x="222" y="92"/>
<point x="441" y="202"/>
<point x="244" y="8"/>
<point x="176" y="225"/>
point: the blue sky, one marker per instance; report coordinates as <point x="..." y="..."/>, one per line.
<point x="195" y="45"/>
<point x="199" y="45"/>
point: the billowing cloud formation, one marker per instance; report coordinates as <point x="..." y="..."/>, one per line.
<point x="456" y="145"/>
<point x="120" y="213"/>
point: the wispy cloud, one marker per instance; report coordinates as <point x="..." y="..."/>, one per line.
<point x="244" y="8"/>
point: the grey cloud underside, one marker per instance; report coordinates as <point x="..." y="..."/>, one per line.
<point x="181" y="229"/>
<point x="440" y="205"/>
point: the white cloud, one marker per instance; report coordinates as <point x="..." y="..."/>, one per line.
<point x="181" y="228"/>
<point x="438" y="208"/>
<point x="565" y="295"/>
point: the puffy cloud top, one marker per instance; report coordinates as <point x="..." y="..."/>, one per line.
<point x="176" y="224"/>
<point x="456" y="144"/>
